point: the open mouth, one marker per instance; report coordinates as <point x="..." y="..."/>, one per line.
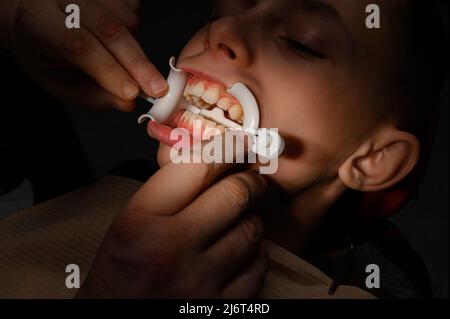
<point x="201" y="105"/>
<point x="209" y="104"/>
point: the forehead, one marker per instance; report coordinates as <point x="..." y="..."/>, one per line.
<point x="355" y="14"/>
<point x="371" y="45"/>
<point x="352" y="12"/>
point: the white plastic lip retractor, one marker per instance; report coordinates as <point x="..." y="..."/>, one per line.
<point x="266" y="143"/>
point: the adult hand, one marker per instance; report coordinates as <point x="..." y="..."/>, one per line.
<point x="99" y="65"/>
<point x="184" y="235"/>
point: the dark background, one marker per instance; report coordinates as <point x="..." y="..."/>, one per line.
<point x="61" y="148"/>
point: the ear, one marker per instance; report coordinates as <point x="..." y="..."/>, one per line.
<point x="382" y="161"/>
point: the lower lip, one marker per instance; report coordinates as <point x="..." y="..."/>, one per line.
<point x="162" y="133"/>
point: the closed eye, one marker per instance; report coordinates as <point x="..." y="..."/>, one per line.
<point x="302" y="49"/>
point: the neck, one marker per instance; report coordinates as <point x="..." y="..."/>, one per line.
<point x="292" y="225"/>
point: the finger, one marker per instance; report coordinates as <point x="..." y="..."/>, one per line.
<point x="123" y="11"/>
<point x="94" y="96"/>
<point x="236" y="248"/>
<point x="219" y="207"/>
<point x="81" y="49"/>
<point x="86" y="53"/>
<point x="248" y="284"/>
<point x="190" y="180"/>
<point x="123" y="46"/>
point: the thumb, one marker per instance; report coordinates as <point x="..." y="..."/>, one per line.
<point x="175" y="186"/>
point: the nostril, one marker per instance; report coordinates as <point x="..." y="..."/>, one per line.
<point x="229" y="52"/>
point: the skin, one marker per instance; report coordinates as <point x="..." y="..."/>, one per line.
<point x="164" y="245"/>
<point x="339" y="131"/>
<point x="166" y="239"/>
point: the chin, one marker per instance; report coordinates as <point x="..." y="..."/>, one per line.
<point x="283" y="178"/>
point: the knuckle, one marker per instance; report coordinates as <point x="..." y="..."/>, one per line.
<point x="251" y="231"/>
<point x="109" y="68"/>
<point x="133" y="22"/>
<point x="110" y="28"/>
<point x="123" y="232"/>
<point x="80" y="44"/>
<point x="238" y="191"/>
<point x="127" y="227"/>
<point x="141" y="62"/>
<point x="162" y="263"/>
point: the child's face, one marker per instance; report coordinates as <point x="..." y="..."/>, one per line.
<point x="314" y="68"/>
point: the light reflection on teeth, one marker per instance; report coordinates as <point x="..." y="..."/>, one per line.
<point x="197" y="90"/>
<point x="235" y="112"/>
<point x="224" y="103"/>
<point x="211" y="96"/>
<point x="187" y="90"/>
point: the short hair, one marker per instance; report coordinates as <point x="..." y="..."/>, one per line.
<point x="422" y="71"/>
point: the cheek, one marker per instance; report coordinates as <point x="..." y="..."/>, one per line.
<point x="315" y="129"/>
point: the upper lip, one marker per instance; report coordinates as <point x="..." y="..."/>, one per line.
<point x="203" y="75"/>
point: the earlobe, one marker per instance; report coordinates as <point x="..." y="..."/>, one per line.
<point x="383" y="161"/>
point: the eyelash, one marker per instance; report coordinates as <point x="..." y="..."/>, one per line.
<point x="302" y="49"/>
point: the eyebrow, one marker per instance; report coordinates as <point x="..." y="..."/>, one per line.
<point x="320" y="7"/>
<point x="324" y="9"/>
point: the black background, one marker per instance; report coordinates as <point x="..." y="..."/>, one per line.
<point x="61" y="148"/>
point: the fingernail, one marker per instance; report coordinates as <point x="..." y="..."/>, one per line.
<point x="159" y="85"/>
<point x="130" y="90"/>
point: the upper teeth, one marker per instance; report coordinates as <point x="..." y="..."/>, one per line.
<point x="236" y="113"/>
<point x="197" y="89"/>
<point x="206" y="96"/>
<point x="211" y="96"/>
<point x="224" y="103"/>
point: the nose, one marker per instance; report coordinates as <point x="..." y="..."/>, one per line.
<point x="229" y="41"/>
